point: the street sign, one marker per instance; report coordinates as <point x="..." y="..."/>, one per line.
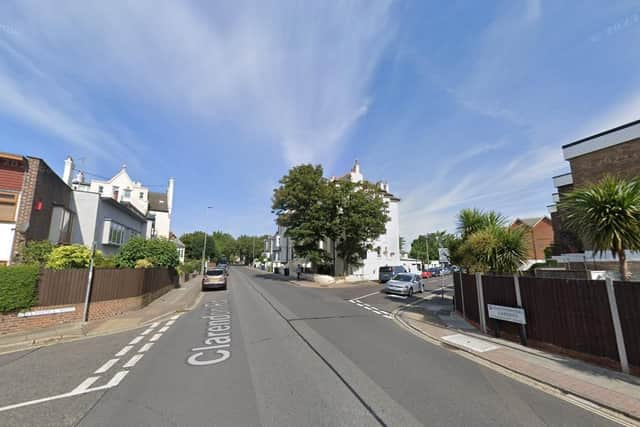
<point x="443" y="254"/>
<point x="510" y="314"/>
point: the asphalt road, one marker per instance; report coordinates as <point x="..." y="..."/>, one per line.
<point x="272" y="354"/>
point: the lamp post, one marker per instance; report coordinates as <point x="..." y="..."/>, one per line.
<point x="204" y="246"/>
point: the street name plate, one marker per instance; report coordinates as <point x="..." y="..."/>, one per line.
<point x="510" y="314"/>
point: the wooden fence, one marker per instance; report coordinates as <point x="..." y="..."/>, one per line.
<point x="58" y="287"/>
<point x="572" y="314"/>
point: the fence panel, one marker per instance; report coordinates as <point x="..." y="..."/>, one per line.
<point x="457" y="283"/>
<point x="470" y="297"/>
<point x="573" y="314"/>
<point x="628" y="299"/>
<point x="113" y="283"/>
<point x="57" y="287"/>
<point x="499" y="290"/>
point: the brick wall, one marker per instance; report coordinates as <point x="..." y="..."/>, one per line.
<point x="11" y="174"/>
<point x="622" y="160"/>
<point x="11" y="323"/>
<point x="40" y="183"/>
<point x="542" y="238"/>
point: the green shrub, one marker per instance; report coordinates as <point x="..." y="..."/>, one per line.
<point x="18" y="285"/>
<point x="143" y="263"/>
<point x="36" y="252"/>
<point x="189" y="266"/>
<point x="69" y="256"/>
<point x="101" y="261"/>
<point x="160" y="252"/>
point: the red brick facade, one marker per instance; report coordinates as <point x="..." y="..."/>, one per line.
<point x="540" y="237"/>
<point x="10" y="323"/>
<point x="11" y="173"/>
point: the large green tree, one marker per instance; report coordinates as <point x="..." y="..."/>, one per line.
<point x="607" y="215"/>
<point x="361" y="218"/>
<point x="314" y="209"/>
<point x="193" y="243"/>
<point x="225" y="245"/>
<point x="301" y="205"/>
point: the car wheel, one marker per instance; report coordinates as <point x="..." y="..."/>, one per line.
<point x="410" y="291"/>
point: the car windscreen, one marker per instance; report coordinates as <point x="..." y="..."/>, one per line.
<point x="215" y="272"/>
<point x="402" y="277"/>
<point x="386" y="269"/>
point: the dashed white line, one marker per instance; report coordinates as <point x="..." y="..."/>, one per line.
<point x="154" y="325"/>
<point x="84" y="385"/>
<point x="368" y="308"/>
<point x="155" y="337"/>
<point x="147" y="331"/>
<point x="132" y="362"/>
<point x="174" y="317"/>
<point x="116" y="379"/>
<point x="145" y="347"/>
<point x="136" y="340"/>
<point x="170" y="322"/>
<point x="163" y="329"/>
<point x="104" y="368"/>
<point x="124" y="350"/>
<point x="368" y="295"/>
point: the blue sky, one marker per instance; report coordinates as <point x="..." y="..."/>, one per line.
<point x="456" y="104"/>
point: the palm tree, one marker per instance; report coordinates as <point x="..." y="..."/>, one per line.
<point x="607" y="215"/>
<point x="472" y="220"/>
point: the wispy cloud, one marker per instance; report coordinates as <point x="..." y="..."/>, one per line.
<point x="297" y="73"/>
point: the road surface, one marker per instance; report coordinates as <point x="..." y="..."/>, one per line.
<point x="267" y="353"/>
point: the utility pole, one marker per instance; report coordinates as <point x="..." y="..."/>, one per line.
<point x="253" y="249"/>
<point x="426" y="242"/>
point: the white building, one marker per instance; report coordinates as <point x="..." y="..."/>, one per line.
<point x="385" y="249"/>
<point x="112" y="211"/>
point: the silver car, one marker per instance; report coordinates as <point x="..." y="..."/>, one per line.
<point x="404" y="284"/>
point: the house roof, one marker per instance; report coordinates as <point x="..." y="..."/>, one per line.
<point x="125" y="207"/>
<point x="158" y="202"/>
<point x="530" y="222"/>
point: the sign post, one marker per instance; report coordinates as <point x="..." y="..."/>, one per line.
<point x="85" y="314"/>
<point x="508" y="314"/>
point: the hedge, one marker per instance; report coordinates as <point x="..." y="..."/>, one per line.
<point x="18" y="287"/>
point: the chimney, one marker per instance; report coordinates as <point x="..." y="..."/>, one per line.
<point x="170" y="195"/>
<point x="68" y="168"/>
<point x="356" y="167"/>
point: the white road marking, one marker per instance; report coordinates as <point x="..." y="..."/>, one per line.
<point x="174" y="317"/>
<point x="397" y="296"/>
<point x="147" y="331"/>
<point x="84" y="385"/>
<point x="136" y="340"/>
<point x="124" y="350"/>
<point x="132" y="362"/>
<point x="154" y="325"/>
<point x="368" y="295"/>
<point x="115" y="380"/>
<point x="368" y="308"/>
<point x="104" y="368"/>
<point x="155" y="337"/>
<point x="145" y="347"/>
<point x="164" y="329"/>
<point x="386" y="316"/>
<point x="170" y="322"/>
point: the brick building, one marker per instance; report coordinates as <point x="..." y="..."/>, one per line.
<point x="612" y="152"/>
<point x="34" y="204"/>
<point x="539" y="233"/>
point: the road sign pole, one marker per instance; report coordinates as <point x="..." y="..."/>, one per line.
<point x="85" y="314"/>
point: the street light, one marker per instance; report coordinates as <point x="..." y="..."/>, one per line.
<point x="204" y="247"/>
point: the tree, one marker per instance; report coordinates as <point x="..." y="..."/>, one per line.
<point x="486" y="244"/>
<point x="433" y="241"/>
<point x="225" y="245"/>
<point x="607" y="215"/>
<point x="361" y="218"/>
<point x="301" y="205"/>
<point x="193" y="245"/>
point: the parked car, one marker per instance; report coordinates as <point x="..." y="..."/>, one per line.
<point x="445" y="271"/>
<point x="216" y="278"/>
<point x="405" y="284"/>
<point x="387" y="272"/>
<point x="435" y="271"/>
<point x="425" y="274"/>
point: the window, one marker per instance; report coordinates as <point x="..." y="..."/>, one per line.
<point x="8" y="206"/>
<point x="116" y="233"/>
<point x="100" y="189"/>
<point x="61" y="224"/>
<point x="141" y="197"/>
<point x="127" y="193"/>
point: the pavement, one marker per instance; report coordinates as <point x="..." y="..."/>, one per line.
<point x="178" y="299"/>
<point x="269" y="353"/>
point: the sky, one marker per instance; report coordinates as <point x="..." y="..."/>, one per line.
<point x="455" y="104"/>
